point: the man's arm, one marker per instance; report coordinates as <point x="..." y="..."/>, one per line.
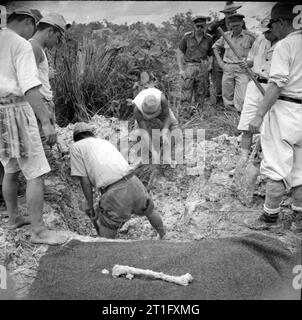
<point x="271" y="95"/>
<point x="37" y="52"/>
<point x="34" y="98"/>
<point x="88" y="193"/>
<point x="219" y="44"/>
<point x="165" y="110"/>
<point x="157" y="223"/>
<point x="180" y="57"/>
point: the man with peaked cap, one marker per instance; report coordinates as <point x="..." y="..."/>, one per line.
<point x="229" y="9"/>
<point x="50" y="31"/>
<point x="194" y="59"/>
<point x="99" y="165"/>
<point x="20" y="144"/>
<point x="235" y="78"/>
<point x="259" y="59"/>
<point x="280" y="117"/>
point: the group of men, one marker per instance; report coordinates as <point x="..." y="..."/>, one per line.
<point x="276" y="66"/>
<point x="27" y="117"/>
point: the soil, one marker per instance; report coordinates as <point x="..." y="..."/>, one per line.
<point x="193" y="207"/>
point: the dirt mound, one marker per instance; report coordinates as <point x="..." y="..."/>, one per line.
<point x="192" y="206"/>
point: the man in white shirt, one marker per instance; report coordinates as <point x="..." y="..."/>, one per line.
<point x="259" y="58"/>
<point x="99" y="165"/>
<point x="281" y="132"/>
<point x="50" y="31"/>
<point x="20" y="143"/>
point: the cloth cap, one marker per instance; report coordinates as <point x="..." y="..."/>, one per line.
<point x="263" y="27"/>
<point x="151" y="107"/>
<point x="230" y="7"/>
<point x="34" y="13"/>
<point x="202" y="19"/>
<point x="236" y="17"/>
<point x="282" y="10"/>
<point x="82" y="127"/>
<point x="55" y="20"/>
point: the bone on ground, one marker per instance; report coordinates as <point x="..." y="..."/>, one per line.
<point x="119" y="270"/>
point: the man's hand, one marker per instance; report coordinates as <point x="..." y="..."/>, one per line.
<point x="182" y="73"/>
<point x="255" y="124"/>
<point x="243" y="64"/>
<point x="50" y="133"/>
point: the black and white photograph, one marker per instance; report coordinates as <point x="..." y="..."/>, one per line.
<point x="150" y="154"/>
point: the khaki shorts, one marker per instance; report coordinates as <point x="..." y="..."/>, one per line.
<point x="123" y="199"/>
<point x="35" y="164"/>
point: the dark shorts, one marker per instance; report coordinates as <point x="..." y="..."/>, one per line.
<point x="123" y="199"/>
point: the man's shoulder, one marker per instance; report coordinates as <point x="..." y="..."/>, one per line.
<point x="249" y="33"/>
<point x="15" y="41"/>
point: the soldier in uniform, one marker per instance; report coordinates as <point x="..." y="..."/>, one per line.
<point x="229" y="9"/>
<point x="280" y="117"/>
<point x="235" y="78"/>
<point x="194" y="59"/>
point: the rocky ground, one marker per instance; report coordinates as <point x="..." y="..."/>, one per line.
<point x="193" y="207"/>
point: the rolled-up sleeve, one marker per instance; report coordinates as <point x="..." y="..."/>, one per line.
<point x="77" y="165"/>
<point x="219" y="44"/>
<point x="27" y="71"/>
<point x="280" y="67"/>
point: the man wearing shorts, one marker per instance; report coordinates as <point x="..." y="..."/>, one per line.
<point x="99" y="165"/>
<point x="20" y="144"/>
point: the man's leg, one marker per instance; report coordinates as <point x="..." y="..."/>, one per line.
<point x="217" y="79"/>
<point x="241" y="82"/>
<point x="10" y="194"/>
<point x="228" y="86"/>
<point x="200" y="85"/>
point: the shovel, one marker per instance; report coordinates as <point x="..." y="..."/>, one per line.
<point x="245" y="177"/>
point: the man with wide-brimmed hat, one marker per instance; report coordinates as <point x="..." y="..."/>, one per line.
<point x="194" y="59"/>
<point x="20" y="144"/>
<point x="259" y="59"/>
<point x="229" y="9"/>
<point x="150" y="105"/>
<point x="99" y="165"/>
<point x="50" y="31"/>
<point x="235" y="78"/>
<point x="280" y="117"/>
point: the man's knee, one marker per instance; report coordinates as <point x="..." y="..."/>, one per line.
<point x="274" y="192"/>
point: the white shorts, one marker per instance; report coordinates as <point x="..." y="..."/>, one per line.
<point x="253" y="98"/>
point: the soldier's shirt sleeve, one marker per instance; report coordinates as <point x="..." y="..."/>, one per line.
<point x="77" y="165"/>
<point x="183" y="45"/>
<point x="253" y="51"/>
<point x="26" y="68"/>
<point x="280" y="67"/>
<point x="219" y="44"/>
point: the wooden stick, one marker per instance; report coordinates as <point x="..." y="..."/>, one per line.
<point x="119" y="270"/>
<point x="249" y="71"/>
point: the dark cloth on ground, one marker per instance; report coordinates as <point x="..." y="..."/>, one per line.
<point x="247" y="267"/>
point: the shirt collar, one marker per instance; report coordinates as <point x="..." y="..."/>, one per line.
<point x="294" y="33"/>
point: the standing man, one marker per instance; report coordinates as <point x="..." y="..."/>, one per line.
<point x="194" y="59"/>
<point x="98" y="164"/>
<point x="229" y="9"/>
<point x="281" y="132"/>
<point x="20" y="143"/>
<point x="235" y="78"/>
<point x="259" y="59"/>
<point x="50" y="31"/>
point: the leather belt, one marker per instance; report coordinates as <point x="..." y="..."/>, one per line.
<point x="125" y="178"/>
<point x="298" y="101"/>
<point x="261" y="79"/>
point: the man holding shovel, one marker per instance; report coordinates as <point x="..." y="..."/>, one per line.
<point x="259" y="59"/>
<point x="281" y="132"/>
<point x="235" y="78"/>
<point x="98" y="164"/>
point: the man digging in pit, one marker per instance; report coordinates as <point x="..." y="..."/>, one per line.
<point x="99" y="165"/>
<point x="151" y="104"/>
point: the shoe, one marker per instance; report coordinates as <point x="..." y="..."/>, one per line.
<point x="261" y="223"/>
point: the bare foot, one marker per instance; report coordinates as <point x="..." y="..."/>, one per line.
<point x="18" y="222"/>
<point x="49" y="237"/>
